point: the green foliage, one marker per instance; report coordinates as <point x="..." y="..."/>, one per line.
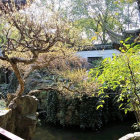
<point x="94" y="16"/>
<point x="51" y="106"/>
<point x="121" y="75"/>
<point x="97" y="63"/>
<point x="80" y="111"/>
<point x="86" y="24"/>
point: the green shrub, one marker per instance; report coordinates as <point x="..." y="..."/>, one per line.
<point x="80" y="111"/>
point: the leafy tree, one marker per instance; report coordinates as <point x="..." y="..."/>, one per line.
<point x="130" y="1"/>
<point x="94" y="16"/>
<point x="121" y="75"/>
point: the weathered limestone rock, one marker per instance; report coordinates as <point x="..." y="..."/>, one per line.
<point x="131" y="136"/>
<point x="5" y="115"/>
<point x="21" y="119"/>
<point x="137" y="135"/>
<point x="24" y="105"/>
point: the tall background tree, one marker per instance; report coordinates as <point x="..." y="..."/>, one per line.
<point x="93" y="16"/>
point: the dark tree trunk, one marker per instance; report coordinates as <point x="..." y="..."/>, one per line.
<point x="138" y="2"/>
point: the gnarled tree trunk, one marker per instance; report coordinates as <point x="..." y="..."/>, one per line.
<point x="20" y="88"/>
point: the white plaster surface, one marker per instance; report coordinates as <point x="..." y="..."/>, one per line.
<point x="98" y="53"/>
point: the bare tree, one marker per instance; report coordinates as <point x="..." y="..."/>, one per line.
<point x="26" y="36"/>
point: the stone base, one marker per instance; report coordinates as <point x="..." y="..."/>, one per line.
<point x="21" y="118"/>
<point x="5" y="115"/>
